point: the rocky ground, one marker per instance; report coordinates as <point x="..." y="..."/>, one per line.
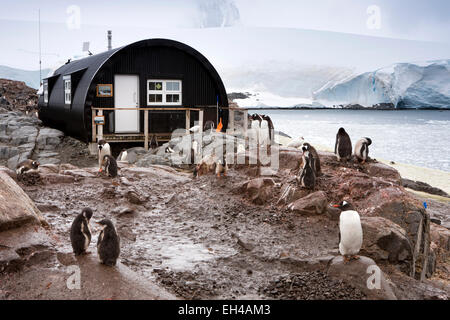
<point x="241" y="236"/>
<point x="253" y="234"/>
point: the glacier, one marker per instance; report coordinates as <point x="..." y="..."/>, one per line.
<point x="403" y="85"/>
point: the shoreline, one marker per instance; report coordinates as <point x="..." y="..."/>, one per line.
<point x="434" y="177"/>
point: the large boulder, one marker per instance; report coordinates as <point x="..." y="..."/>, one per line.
<point x="313" y="204"/>
<point x="16" y="208"/>
<point x="360" y="274"/>
<point x="377" y="169"/>
<point x="385" y="241"/>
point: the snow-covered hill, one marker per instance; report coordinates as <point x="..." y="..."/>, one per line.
<point x="405" y="85"/>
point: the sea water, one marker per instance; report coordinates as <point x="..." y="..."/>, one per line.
<point x="417" y="137"/>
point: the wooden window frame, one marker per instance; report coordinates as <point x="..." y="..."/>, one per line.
<point x="105" y="85"/>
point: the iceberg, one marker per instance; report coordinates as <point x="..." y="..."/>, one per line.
<point x="402" y="85"/>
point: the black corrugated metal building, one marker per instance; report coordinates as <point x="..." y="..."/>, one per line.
<point x="149" y="73"/>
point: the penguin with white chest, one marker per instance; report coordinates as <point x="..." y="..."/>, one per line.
<point x="110" y="165"/>
<point x="123" y="156"/>
<point x="307" y="177"/>
<point x="362" y="149"/>
<point x="108" y="243"/>
<point x="103" y="149"/>
<point x="80" y="232"/>
<point x="343" y="145"/>
<point x="350" y="231"/>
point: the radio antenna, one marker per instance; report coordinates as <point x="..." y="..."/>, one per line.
<point x="40" y="53"/>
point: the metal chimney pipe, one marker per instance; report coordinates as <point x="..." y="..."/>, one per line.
<point x="109" y="39"/>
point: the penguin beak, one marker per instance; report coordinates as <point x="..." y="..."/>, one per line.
<point x="336" y="205"/>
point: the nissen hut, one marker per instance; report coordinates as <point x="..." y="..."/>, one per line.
<point x="160" y="85"/>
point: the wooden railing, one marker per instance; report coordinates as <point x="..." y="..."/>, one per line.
<point x="97" y="129"/>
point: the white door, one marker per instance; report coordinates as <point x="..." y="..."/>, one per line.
<point x="126" y="96"/>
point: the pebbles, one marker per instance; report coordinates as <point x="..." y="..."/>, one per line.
<point x="310" y="286"/>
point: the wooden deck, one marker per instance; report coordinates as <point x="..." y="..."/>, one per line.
<point x="146" y="136"/>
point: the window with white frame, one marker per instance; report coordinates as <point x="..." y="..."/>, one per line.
<point x="164" y="92"/>
<point x="45" y="89"/>
<point x="67" y="90"/>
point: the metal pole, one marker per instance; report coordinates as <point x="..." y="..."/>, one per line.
<point x="40" y="55"/>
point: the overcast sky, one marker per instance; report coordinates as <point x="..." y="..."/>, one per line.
<point x="66" y="24"/>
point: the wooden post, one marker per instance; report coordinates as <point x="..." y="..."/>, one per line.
<point x="245" y="123"/>
<point x="188" y="120"/>
<point x="146" y="129"/>
<point x="100" y="127"/>
<point x="94" y="127"/>
<point x="200" y="120"/>
<point x="231" y="120"/>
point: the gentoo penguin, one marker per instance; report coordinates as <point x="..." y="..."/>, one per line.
<point x="80" y="232"/>
<point x="123" y="156"/>
<point x="194" y="151"/>
<point x="307" y="177"/>
<point x="362" y="149"/>
<point x="108" y="243"/>
<point x="313" y="151"/>
<point x="343" y="145"/>
<point x="221" y="166"/>
<point x="153" y="142"/>
<point x="270" y="126"/>
<point x="350" y="231"/>
<point x="209" y="125"/>
<point x="27" y="166"/>
<point x="103" y="149"/>
<point x="264" y="135"/>
<point x="110" y="165"/>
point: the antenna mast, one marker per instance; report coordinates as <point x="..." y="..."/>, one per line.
<point x="40" y="54"/>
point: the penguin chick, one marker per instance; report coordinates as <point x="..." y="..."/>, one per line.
<point x="362" y="149"/>
<point x="80" y="232"/>
<point x="123" y="156"/>
<point x="108" y="243"/>
<point x="110" y="165"/>
<point x="307" y="177"/>
<point x="350" y="231"/>
<point x="103" y="149"/>
<point x="313" y="151"/>
<point x="343" y="145"/>
<point x="27" y="166"/>
<point x="221" y="167"/>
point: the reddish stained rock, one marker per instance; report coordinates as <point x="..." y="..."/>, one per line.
<point x="314" y="203"/>
<point x="385" y="241"/>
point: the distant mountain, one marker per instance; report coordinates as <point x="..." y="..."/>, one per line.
<point x="31" y="78"/>
<point x="404" y="85"/>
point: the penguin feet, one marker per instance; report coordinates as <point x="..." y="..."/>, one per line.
<point x="355" y="257"/>
<point x="347" y="259"/>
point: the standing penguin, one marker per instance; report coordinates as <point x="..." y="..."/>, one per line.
<point x="362" y="149"/>
<point x="307" y="177"/>
<point x="350" y="231"/>
<point x="123" y="156"/>
<point x="313" y="151"/>
<point x="108" y="243"/>
<point x="270" y="126"/>
<point x="80" y="232"/>
<point x="103" y="149"/>
<point x="209" y="125"/>
<point x="153" y="142"/>
<point x="221" y="166"/>
<point x="343" y="145"/>
<point x="110" y="165"/>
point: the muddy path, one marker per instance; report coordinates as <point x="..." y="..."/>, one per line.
<point x="197" y="238"/>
